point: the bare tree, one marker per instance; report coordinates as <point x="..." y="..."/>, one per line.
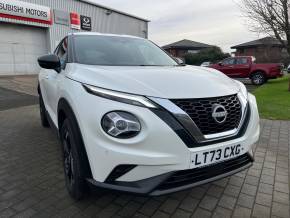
<point x="269" y="16"/>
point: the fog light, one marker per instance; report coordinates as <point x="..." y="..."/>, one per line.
<point x="121" y="124"/>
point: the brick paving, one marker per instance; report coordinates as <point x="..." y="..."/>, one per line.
<point x="25" y="84"/>
<point x="32" y="181"/>
<point x="12" y="99"/>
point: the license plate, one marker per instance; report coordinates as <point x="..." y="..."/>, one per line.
<point x="212" y="156"/>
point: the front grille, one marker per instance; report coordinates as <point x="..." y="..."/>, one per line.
<point x="187" y="177"/>
<point x="200" y="111"/>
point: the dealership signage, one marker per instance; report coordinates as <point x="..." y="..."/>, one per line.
<point x="20" y="10"/>
<point x="61" y="17"/>
<point x="75" y="21"/>
<point x="86" y="23"/>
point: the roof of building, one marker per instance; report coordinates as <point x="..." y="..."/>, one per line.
<point x="255" y="43"/>
<point x="92" y="2"/>
<point x="185" y="43"/>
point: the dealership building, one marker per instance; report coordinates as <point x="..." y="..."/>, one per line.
<point x="31" y="28"/>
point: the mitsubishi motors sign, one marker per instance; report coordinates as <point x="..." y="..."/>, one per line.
<point x="19" y="10"/>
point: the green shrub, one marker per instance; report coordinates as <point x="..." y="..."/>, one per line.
<point x="213" y="55"/>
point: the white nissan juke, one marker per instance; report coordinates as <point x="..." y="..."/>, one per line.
<point x="130" y="118"/>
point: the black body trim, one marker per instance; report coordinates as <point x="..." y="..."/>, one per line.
<point x="51" y="124"/>
<point x="170" y="120"/>
<point x="187" y="138"/>
<point x="119" y="171"/>
<point x="64" y="106"/>
<point x="144" y="187"/>
<point x="181" y="188"/>
<point x="153" y="186"/>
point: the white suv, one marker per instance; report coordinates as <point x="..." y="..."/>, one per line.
<point x="131" y="119"/>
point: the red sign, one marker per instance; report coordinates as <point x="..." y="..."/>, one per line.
<point x="19" y="10"/>
<point x="75" y="20"/>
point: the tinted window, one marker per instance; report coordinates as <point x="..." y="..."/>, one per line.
<point x="119" y="51"/>
<point x="61" y="51"/>
<point x="229" y="61"/>
<point x="242" y="60"/>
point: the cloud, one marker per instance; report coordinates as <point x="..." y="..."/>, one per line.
<point x="217" y="22"/>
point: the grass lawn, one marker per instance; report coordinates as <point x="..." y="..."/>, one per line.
<point x="273" y="99"/>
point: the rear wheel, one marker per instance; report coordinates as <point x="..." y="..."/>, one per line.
<point x="43" y="116"/>
<point x="258" y="78"/>
<point x="73" y="162"/>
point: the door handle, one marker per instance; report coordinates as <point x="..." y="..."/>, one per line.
<point x="47" y="76"/>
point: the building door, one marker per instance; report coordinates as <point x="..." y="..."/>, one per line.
<point x="21" y="45"/>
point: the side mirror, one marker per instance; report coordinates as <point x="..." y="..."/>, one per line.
<point x="179" y="61"/>
<point x="220" y="63"/>
<point x="50" y="61"/>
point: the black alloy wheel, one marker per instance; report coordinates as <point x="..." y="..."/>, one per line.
<point x="75" y="169"/>
<point x="258" y="78"/>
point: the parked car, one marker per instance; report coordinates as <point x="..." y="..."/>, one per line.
<point x="288" y="69"/>
<point x="245" y="67"/>
<point x="205" y="64"/>
<point x="130" y="118"/>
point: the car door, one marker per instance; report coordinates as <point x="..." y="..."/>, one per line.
<point x="52" y="80"/>
<point x="242" y="67"/>
<point x="227" y="66"/>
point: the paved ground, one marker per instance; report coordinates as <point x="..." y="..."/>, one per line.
<point x="32" y="184"/>
<point x="12" y="99"/>
<point x="24" y="84"/>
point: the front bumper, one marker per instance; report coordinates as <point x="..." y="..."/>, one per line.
<point x="180" y="180"/>
<point x="158" y="152"/>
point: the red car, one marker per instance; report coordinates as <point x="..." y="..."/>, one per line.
<point x="245" y="67"/>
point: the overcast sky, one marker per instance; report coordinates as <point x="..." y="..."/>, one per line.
<point x="216" y="22"/>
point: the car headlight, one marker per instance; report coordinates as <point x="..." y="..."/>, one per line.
<point x="126" y="98"/>
<point x="121" y="124"/>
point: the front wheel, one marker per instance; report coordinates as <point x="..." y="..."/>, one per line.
<point x="258" y="78"/>
<point x="72" y="161"/>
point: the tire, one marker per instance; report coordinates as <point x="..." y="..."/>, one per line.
<point x="75" y="169"/>
<point x="258" y="78"/>
<point x="42" y="110"/>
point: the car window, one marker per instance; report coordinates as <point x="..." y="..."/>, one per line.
<point x="242" y="60"/>
<point x="61" y="51"/>
<point x="119" y="51"/>
<point x="229" y="61"/>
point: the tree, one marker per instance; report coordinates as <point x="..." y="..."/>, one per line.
<point x="210" y="54"/>
<point x="271" y="17"/>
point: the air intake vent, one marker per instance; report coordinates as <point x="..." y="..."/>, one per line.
<point x="186" y="177"/>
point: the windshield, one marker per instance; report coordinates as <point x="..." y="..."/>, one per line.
<point x="119" y="51"/>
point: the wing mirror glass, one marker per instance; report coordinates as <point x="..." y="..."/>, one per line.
<point x="50" y="61"/>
